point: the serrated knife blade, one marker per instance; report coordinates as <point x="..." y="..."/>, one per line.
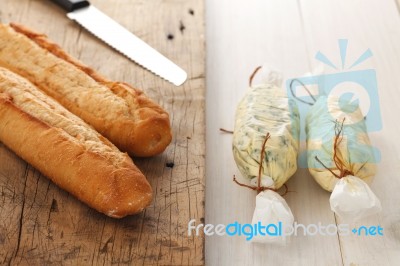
<point x="112" y="33"/>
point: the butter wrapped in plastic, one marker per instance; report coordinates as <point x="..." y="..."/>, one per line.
<point x="266" y="110"/>
<point x="340" y="156"/>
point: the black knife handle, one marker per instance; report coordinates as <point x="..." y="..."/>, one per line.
<point x="71" y="5"/>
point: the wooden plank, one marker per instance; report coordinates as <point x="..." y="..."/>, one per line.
<point x="41" y="225"/>
<point x="364" y="28"/>
<point x="239" y="38"/>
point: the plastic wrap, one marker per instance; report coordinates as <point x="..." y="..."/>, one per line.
<point x="352" y="199"/>
<point x="271" y="208"/>
<point x="266" y="109"/>
<point x="328" y="123"/>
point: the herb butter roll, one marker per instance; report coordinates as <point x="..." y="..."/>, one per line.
<point x="265" y="148"/>
<point x="340" y="156"/>
<point x="264" y="109"/>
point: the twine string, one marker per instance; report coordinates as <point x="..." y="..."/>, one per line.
<point x="226" y="130"/>
<point x="337" y="155"/>
<point x="253" y="75"/>
<point x="305" y="87"/>
<point x="259" y="187"/>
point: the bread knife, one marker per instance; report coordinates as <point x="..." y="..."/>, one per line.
<point x="122" y="40"/>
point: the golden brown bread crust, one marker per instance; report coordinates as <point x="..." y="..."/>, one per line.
<point x="68" y="151"/>
<point x="121" y="113"/>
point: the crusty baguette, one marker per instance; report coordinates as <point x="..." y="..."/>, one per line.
<point x="119" y="112"/>
<point x="68" y="151"/>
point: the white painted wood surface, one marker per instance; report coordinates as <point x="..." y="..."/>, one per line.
<point x="287" y="34"/>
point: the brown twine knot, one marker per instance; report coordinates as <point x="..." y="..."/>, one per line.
<point x="340" y="165"/>
<point x="260" y="188"/>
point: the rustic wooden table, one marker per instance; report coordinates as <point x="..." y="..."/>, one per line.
<point x="42" y="225"/>
<point x="287" y="35"/>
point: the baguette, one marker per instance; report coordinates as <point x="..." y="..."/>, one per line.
<point x="119" y="112"/>
<point x="68" y="151"/>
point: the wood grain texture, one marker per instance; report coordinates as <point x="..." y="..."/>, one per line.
<point x="365" y="28"/>
<point x="42" y="225"/>
<point x="287" y="35"/>
<point x="272" y="34"/>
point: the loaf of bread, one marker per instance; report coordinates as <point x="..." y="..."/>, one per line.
<point x="68" y="151"/>
<point x="123" y="114"/>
